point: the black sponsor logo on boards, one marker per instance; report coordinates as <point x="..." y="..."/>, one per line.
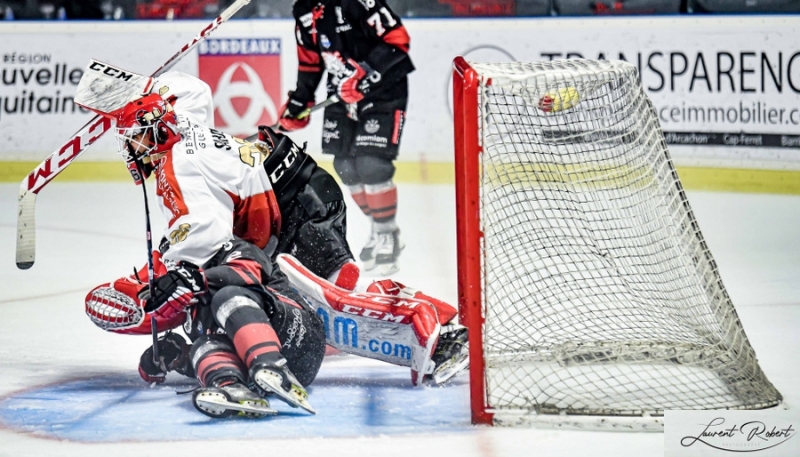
<point x="766" y="140"/>
<point x="708" y="71"/>
<point x="33" y="76"/>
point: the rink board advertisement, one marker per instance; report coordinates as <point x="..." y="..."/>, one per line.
<point x="41" y="68"/>
<point x="244" y="75"/>
<point x="726" y="89"/>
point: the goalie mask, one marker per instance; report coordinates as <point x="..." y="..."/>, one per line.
<point x="146" y="130"/>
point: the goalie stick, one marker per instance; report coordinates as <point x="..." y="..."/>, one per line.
<point x="75" y="146"/>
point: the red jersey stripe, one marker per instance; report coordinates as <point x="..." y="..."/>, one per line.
<point x="256" y="218"/>
<point x="399" y="38"/>
<point x="168" y="189"/>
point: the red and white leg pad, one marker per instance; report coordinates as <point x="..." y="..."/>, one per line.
<point x="396" y="329"/>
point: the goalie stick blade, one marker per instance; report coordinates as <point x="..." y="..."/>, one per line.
<point x="106" y="89"/>
<point x="26" y="228"/>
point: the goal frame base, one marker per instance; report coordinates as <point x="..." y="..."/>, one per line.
<point x="504" y="418"/>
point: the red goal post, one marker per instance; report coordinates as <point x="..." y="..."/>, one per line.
<point x="465" y="103"/>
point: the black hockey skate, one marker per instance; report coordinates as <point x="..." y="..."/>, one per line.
<point x="387" y="251"/>
<point x="451" y="355"/>
<point x="278" y="380"/>
<point x="229" y="400"/>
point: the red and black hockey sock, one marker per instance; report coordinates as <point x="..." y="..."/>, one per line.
<point x="218" y="363"/>
<point x="360" y="197"/>
<point x="382" y="201"/>
<point x="238" y="311"/>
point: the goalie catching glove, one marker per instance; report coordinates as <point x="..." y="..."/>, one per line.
<point x="126" y="305"/>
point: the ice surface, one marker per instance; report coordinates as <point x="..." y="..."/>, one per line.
<point x="69" y="389"/>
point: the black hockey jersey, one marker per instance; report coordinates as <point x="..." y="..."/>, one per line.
<point x="239" y="263"/>
<point x="329" y="32"/>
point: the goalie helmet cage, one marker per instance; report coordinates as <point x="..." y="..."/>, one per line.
<point x="590" y="295"/>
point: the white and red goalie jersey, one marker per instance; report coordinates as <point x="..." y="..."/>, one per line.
<point x="187" y="94"/>
<point x="209" y="186"/>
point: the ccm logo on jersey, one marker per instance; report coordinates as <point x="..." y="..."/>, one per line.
<point x="110" y="71"/>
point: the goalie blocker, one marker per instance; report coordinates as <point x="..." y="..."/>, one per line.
<point x="388" y="322"/>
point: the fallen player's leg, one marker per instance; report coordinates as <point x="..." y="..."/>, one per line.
<point x="223" y="391"/>
<point x="241" y="313"/>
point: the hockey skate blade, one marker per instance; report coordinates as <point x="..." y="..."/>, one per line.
<point x="450" y="369"/>
<point x="368" y="265"/>
<point x="270" y="381"/>
<point x="216" y="405"/>
<point x="388" y="269"/>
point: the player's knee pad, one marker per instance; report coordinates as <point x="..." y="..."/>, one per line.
<point x="234" y="307"/>
<point x="373" y="169"/>
<point x="345" y="167"/>
<point x="214" y="359"/>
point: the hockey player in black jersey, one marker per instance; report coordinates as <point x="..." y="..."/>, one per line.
<point x="364" y="48"/>
<point x="252" y="334"/>
<point x="313" y="211"/>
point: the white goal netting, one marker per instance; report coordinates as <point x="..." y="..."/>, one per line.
<point x="599" y="293"/>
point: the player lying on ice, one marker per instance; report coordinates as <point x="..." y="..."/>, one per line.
<point x="213" y="187"/>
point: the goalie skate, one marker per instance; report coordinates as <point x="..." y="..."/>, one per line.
<point x="233" y="399"/>
<point x="284" y="385"/>
<point x="451" y="355"/>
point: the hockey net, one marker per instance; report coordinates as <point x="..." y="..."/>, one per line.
<point x="590" y="294"/>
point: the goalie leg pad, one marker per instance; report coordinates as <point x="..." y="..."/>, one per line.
<point x="445" y="310"/>
<point x="398" y="330"/>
